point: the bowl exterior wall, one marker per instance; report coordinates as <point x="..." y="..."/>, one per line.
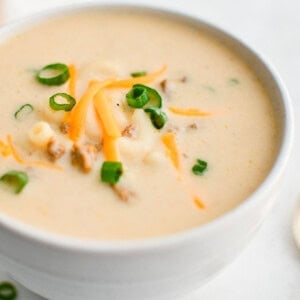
<point x="153" y="274"/>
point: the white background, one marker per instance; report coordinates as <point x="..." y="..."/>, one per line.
<point x="269" y="269"/>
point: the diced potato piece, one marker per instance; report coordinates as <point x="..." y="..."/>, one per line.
<point x="40" y="134"/>
<point x="155" y="158"/>
<point x="137" y="148"/>
<point x="52" y="115"/>
<point x="144" y="126"/>
<point x="132" y="149"/>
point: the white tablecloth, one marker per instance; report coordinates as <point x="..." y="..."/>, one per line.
<point x="269" y="269"/>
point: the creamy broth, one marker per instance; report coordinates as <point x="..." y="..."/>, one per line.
<point x="238" y="139"/>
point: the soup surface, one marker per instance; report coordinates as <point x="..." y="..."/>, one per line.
<point x="217" y="143"/>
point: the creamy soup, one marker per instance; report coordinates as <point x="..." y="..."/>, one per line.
<point x="191" y="142"/>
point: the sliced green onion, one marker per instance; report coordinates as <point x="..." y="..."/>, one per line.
<point x="157" y="117"/>
<point x="141" y="95"/>
<point x="111" y="171"/>
<point x="138" y="74"/>
<point x="199" y="167"/>
<point x="23" y="111"/>
<point x="155" y="99"/>
<point x="16" y="180"/>
<point x="137" y="97"/>
<point x="8" y="291"/>
<point x="53" y="74"/>
<point x="55" y="105"/>
<point x="233" y="81"/>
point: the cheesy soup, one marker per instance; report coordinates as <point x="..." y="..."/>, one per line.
<point x="124" y="125"/>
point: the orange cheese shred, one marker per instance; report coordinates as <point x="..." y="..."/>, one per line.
<point x="110" y="149"/>
<point x="22" y="161"/>
<point x="72" y="80"/>
<point x="78" y="114"/>
<point x="14" y="152"/>
<point x="128" y="83"/>
<point x="199" y="203"/>
<point x="5" y="149"/>
<point x="108" y="125"/>
<point x="189" y="112"/>
<point x="170" y="143"/>
<point x="104" y="112"/>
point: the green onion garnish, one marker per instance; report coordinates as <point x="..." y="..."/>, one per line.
<point x="138" y="74"/>
<point x="55" y="105"/>
<point x="157" y="117"/>
<point x="8" y="291"/>
<point x="233" y="81"/>
<point x="141" y="95"/>
<point x="155" y="99"/>
<point x="16" y="180"/>
<point x="199" y="167"/>
<point x="23" y="111"/>
<point x="137" y="97"/>
<point x="111" y="171"/>
<point x="53" y="74"/>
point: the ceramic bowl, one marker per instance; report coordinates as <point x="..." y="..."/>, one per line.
<point x="64" y="268"/>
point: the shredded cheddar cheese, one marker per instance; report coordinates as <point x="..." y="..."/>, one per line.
<point x="189" y="112"/>
<point x="110" y="149"/>
<point x="5" y="149"/>
<point x="199" y="203"/>
<point x="128" y="83"/>
<point x="104" y="112"/>
<point x="170" y="143"/>
<point x="108" y="126"/>
<point x="78" y="114"/>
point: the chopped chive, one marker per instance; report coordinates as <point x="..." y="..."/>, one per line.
<point x="141" y="95"/>
<point x="157" y="117"/>
<point x="53" y="74"/>
<point x="23" y="111"/>
<point x="55" y="105"/>
<point x="137" y="97"/>
<point x="155" y="99"/>
<point x="200" y="167"/>
<point x="233" y="81"/>
<point x="138" y="74"/>
<point x="8" y="291"/>
<point x="16" y="180"/>
<point x="111" y="171"/>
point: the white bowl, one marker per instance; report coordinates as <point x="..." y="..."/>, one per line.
<point x="64" y="268"/>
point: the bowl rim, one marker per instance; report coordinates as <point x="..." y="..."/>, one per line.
<point x="120" y="247"/>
